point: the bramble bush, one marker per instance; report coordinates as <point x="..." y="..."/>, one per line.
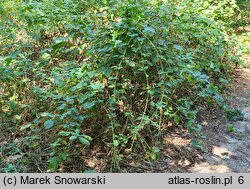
<point x="110" y="74"/>
<point x="226" y="11"/>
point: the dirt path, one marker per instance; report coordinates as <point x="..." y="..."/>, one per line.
<point x="230" y="151"/>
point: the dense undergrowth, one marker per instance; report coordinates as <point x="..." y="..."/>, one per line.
<point x="111" y="76"/>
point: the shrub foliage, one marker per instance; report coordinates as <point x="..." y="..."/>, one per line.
<point x="112" y="74"/>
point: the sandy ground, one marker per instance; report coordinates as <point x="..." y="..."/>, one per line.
<point x="233" y="155"/>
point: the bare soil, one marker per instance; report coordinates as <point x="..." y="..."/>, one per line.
<point x="229" y="151"/>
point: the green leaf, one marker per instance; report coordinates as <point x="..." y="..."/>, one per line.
<point x="235" y="115"/>
<point x="54" y="164"/>
<point x="62" y="107"/>
<point x="88" y="105"/>
<point x="87" y="137"/>
<point x="44" y="114"/>
<point x="222" y="80"/>
<point x="63" y="133"/>
<point x="116" y="143"/>
<point x="177" y="119"/>
<point x="45" y="57"/>
<point x="155" y="150"/>
<point x="79" y="86"/>
<point x="83" y="117"/>
<point x="84" y="141"/>
<point x="84" y="97"/>
<point x="60" y="42"/>
<point x="17" y="117"/>
<point x="73" y="137"/>
<point x="107" y="71"/>
<point x="96" y="86"/>
<point x="36" y="121"/>
<point x="178" y="47"/>
<point x="149" y="30"/>
<point x="197" y="144"/>
<point x="25" y="126"/>
<point x="77" y="131"/>
<point x="49" y="124"/>
<point x="130" y="63"/>
<point x="1" y="10"/>
<point x="230" y="128"/>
